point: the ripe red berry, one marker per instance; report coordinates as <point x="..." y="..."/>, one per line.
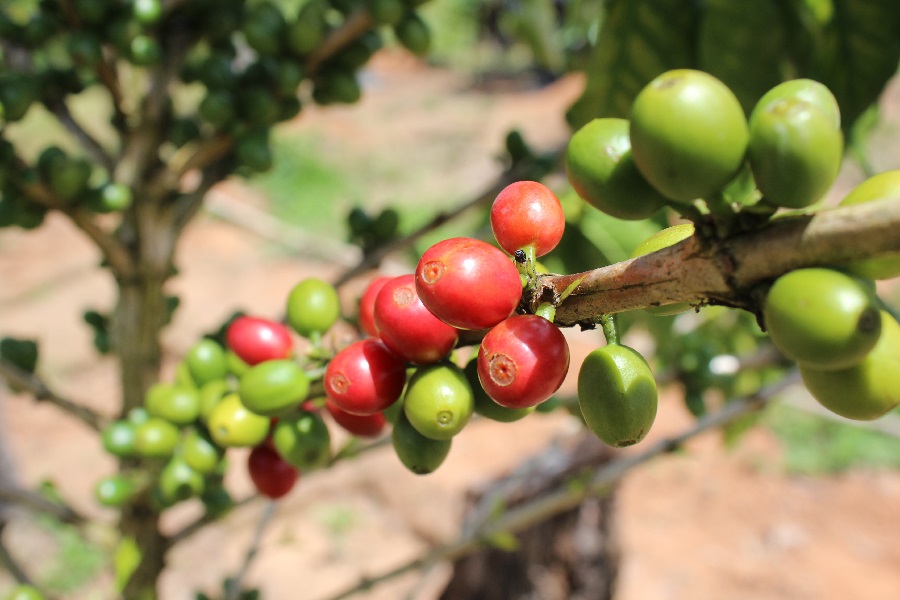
<point x="367" y="305"/>
<point x="527" y="213"/>
<point x="407" y="327"/>
<point x="359" y="425"/>
<point x="271" y="475"/>
<point x="257" y="340"/>
<point x="468" y="283"/>
<point x="365" y="377"/>
<point x="523" y="361"/>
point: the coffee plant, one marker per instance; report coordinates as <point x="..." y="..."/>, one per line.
<point x="715" y="142"/>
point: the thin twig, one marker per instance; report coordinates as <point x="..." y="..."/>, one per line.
<point x="373" y="259"/>
<point x="233" y="588"/>
<point x="36" y="502"/>
<point x="357" y="23"/>
<point x="19" y="379"/>
<point x="270" y="228"/>
<point x="566" y="497"/>
<point x="10" y="563"/>
<point x="87" y="141"/>
<point x="112" y="249"/>
<point x="208" y="519"/>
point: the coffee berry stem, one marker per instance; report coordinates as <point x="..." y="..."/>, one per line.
<point x="610" y="325"/>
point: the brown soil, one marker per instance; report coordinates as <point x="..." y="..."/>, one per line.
<point x="705" y="523"/>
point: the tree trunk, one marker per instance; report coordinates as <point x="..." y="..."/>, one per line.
<point x="573" y="556"/>
<point x="139" y="319"/>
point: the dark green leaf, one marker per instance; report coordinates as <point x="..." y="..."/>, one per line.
<point x="744" y="44"/>
<point x="22" y="353"/>
<point x="637" y="42"/>
<point x="857" y="52"/>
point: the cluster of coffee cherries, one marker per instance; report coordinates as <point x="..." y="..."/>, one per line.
<point x="252" y="390"/>
<point x="413" y="322"/>
<point x="688" y="145"/>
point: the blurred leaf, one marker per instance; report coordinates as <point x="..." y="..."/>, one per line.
<point x="733" y="431"/>
<point x="637" y="42"/>
<point x="99" y="324"/>
<point x="126" y="561"/>
<point x="172" y="303"/>
<point x="856" y="52"/>
<point x="815" y="444"/>
<point x="614" y="237"/>
<point x="503" y="540"/>
<point x="20" y="352"/>
<point x="744" y="44"/>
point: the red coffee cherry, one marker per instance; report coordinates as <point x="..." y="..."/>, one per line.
<point x="527" y="213"/>
<point x="468" y="283"/>
<point x="365" y="377"/>
<point x="523" y="361"/>
<point x="358" y="425"/>
<point x="367" y="305"/>
<point x="271" y="475"/>
<point x="256" y="340"/>
<point x="407" y="327"/>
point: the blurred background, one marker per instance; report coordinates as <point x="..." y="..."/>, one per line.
<point x="786" y="502"/>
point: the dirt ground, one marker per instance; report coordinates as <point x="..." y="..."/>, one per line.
<point x="705" y="523"/>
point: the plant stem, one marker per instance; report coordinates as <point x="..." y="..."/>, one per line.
<point x="610" y="326"/>
<point x="233" y="588"/>
<point x="727" y="271"/>
<point x="23" y="380"/>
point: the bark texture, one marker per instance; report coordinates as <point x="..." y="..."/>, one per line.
<point x="572" y="556"/>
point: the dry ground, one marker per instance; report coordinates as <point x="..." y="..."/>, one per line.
<point x="702" y="524"/>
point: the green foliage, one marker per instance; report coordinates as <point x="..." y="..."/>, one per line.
<point x="851" y="46"/>
<point x="636" y="43"/>
<point x="817" y="445"/>
<point x="76" y="560"/>
<point x="20" y="352"/>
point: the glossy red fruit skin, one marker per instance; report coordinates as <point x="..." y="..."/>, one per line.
<point x="365" y="377"/>
<point x="523" y="361"/>
<point x="467" y="283"/>
<point x="270" y="474"/>
<point x="367" y="305"/>
<point x="407" y="327"/>
<point x="527" y="213"/>
<point x="256" y="340"/>
<point x="369" y="426"/>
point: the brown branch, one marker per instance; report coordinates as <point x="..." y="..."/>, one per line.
<point x="19" y="379"/>
<point x="207" y="519"/>
<point x="726" y="271"/>
<point x="38" y="503"/>
<point x="113" y="251"/>
<point x="233" y="587"/>
<point x="372" y="259"/>
<point x="91" y="145"/>
<point x="106" y="70"/>
<point x="188" y="158"/>
<point x="357" y="23"/>
<point x="10" y="563"/>
<point x="566" y="497"/>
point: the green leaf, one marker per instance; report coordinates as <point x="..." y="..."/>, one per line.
<point x="615" y="238"/>
<point x="856" y="52"/>
<point x="99" y="323"/>
<point x="745" y="45"/>
<point x="503" y="540"/>
<point x="20" y="352"/>
<point x="637" y="42"/>
<point x="126" y="561"/>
